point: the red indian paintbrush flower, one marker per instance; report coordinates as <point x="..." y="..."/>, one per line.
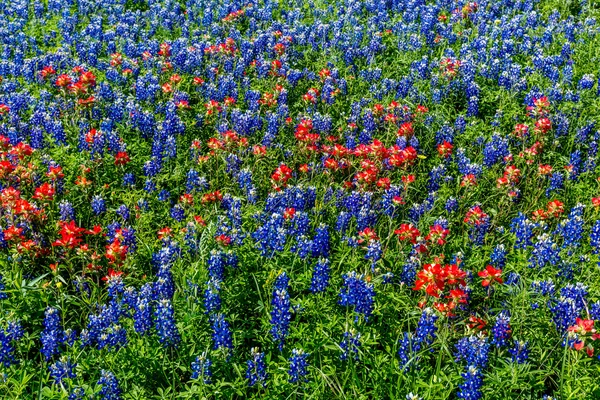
<point x="489" y="275"/>
<point x="437" y="234"/>
<point x="407" y="232"/>
<point x="116" y="252"/>
<point x="282" y="174"/>
<point x="44" y="192"/>
<point x="445" y="149"/>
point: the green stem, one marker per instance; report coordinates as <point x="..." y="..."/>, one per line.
<point x="562" y="371"/>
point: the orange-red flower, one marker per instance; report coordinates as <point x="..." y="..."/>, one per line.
<point x="489" y="275"/>
<point x="407" y="232"/>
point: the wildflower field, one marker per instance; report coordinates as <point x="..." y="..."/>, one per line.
<point x="380" y="199"/>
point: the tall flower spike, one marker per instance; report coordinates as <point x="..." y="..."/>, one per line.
<point x="110" y="386"/>
<point x="168" y="334"/>
<point x="201" y="368"/>
<point x="221" y="332"/>
<point x="62" y="369"/>
<point x="519" y="352"/>
<point x="52" y="336"/>
<point x="298" y="366"/>
<point x="3" y="294"/>
<point x="320" y="278"/>
<point x="501" y="331"/>
<point x="257" y="369"/>
<point x="358" y="293"/>
<point x="13" y="333"/>
<point x="280" y="312"/>
<point x="470" y="389"/>
<point x="350" y="345"/>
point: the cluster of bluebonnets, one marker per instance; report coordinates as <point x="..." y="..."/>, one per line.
<point x="252" y="198"/>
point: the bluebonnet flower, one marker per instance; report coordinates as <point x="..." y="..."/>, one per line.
<point x="3" y="294"/>
<point x="110" y="386"/>
<point x="77" y="394"/>
<point x="586" y="82"/>
<point x="257" y="369"/>
<point x="390" y="202"/>
<point x="519" y="352"/>
<point x="474" y="350"/>
<point x="595" y="237"/>
<point x="168" y="334"/>
<point x="426" y="329"/>
<point x="195" y="182"/>
<point x="62" y="369"/>
<point x="571" y="229"/>
<point x="128" y="179"/>
<point x="436" y="175"/>
<point x="512" y="279"/>
<point x="498" y="256"/>
<point x="545" y="252"/>
<point x="221" y="333"/>
<point x="164" y="286"/>
<point x="113" y="337"/>
<point x="564" y="313"/>
<point x="216" y="265"/>
<point x="52" y="336"/>
<point x="271" y="237"/>
<point x="164" y="195"/>
<point x="409" y="344"/>
<point x="374" y="252"/>
<point x="409" y="271"/>
<point x="595" y="310"/>
<point x="577" y="292"/>
<point x="178" y="212"/>
<point x="303" y="246"/>
<point x="557" y="181"/>
<point x="70" y="336"/>
<point x="358" y="293"/>
<point x="245" y="183"/>
<point x="8" y="336"/>
<point x="470" y="389"/>
<point x="320" y="243"/>
<point x="98" y="325"/>
<point x="495" y="150"/>
<point x="212" y="298"/>
<point x="98" y="205"/>
<point x="149" y="186"/>
<point x="123" y="212"/>
<point x="350" y="345"/>
<point x="405" y="350"/>
<point x="142" y="317"/>
<point x="298" y="366"/>
<point x="501" y="331"/>
<point x="67" y="213"/>
<point x="115" y="285"/>
<point x="191" y="237"/>
<point x="473" y="106"/>
<point x="301" y="224"/>
<point x="451" y="204"/>
<point x="280" y="312"/>
<point x="543" y="287"/>
<point x="320" y="278"/>
<point x="479" y="224"/>
<point x="201" y="368"/>
<point x="523" y="228"/>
